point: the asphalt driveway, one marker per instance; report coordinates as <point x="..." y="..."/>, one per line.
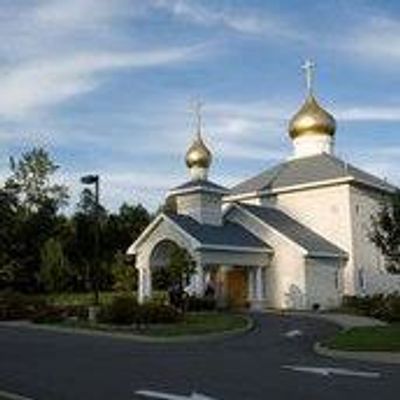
<point x="268" y="363"/>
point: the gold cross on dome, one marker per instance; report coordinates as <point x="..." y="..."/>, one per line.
<point x="309" y="68"/>
<point x="197" y="107"/>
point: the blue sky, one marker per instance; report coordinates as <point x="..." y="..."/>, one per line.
<point x="106" y="85"/>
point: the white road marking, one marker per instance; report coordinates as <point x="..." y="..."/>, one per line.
<point x="293" y="333"/>
<point x="12" y="396"/>
<point x="166" y="396"/>
<point x="333" y="371"/>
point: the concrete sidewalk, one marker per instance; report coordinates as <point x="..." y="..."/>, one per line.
<point x="347" y="321"/>
<point x="355" y="321"/>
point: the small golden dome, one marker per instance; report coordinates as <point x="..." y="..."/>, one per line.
<point x="311" y="119"/>
<point x="198" y="154"/>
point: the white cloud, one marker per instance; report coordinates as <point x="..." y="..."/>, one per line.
<point x="368" y="113"/>
<point x="246" y="21"/>
<point x="68" y="14"/>
<point x="29" y="86"/>
<point x="53" y="50"/>
<point x="375" y="39"/>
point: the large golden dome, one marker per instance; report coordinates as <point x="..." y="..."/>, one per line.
<point x="311" y="119"/>
<point x="198" y="154"/>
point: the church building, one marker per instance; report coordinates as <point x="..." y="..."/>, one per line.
<point x="295" y="236"/>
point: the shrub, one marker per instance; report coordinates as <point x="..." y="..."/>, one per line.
<point x="124" y="310"/>
<point x="14" y="305"/>
<point x="160" y="298"/>
<point x="393" y="308"/>
<point x="201" y="303"/>
<point x="50" y="314"/>
<point x="385" y="307"/>
<point x="153" y="313"/>
<point x="76" y="311"/>
<point x="121" y="311"/>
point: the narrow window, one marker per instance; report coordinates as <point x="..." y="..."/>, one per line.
<point x="361" y="280"/>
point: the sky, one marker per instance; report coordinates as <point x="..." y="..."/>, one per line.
<point x="107" y="86"/>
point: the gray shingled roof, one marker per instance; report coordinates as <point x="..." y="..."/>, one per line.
<point x="200" y="183"/>
<point x="309" y="240"/>
<point x="307" y="170"/>
<point x="229" y="234"/>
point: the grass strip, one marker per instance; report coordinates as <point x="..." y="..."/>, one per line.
<point x="374" y="338"/>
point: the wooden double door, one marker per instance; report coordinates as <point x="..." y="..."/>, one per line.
<point x="237" y="287"/>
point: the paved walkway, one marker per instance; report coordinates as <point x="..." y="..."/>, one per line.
<point x="355" y="321"/>
<point x="347" y="321"/>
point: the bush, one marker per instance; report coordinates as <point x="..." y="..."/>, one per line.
<point x="201" y="303"/>
<point x="392" y="308"/>
<point x="121" y="311"/>
<point x="50" y="314"/>
<point x="385" y="307"/>
<point x="14" y="305"/>
<point x="124" y="310"/>
<point x="153" y="313"/>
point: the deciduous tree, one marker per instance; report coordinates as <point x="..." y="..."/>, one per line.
<point x="385" y="232"/>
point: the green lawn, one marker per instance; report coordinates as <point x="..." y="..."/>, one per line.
<point x="193" y="324"/>
<point x="200" y="323"/>
<point x="381" y="338"/>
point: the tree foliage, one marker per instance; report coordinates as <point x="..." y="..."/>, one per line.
<point x="31" y="181"/>
<point x="124" y="274"/>
<point x="40" y="248"/>
<point x="181" y="266"/>
<point x="53" y="272"/>
<point x="385" y="232"/>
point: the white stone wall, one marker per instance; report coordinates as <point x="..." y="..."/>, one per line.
<point x="205" y="208"/>
<point x="371" y="275"/>
<point x="285" y="275"/>
<point x="312" y="144"/>
<point x="326" y="210"/>
<point x="323" y="283"/>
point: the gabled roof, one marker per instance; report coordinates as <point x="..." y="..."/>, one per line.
<point x="306" y="238"/>
<point x="199" y="184"/>
<point x="229" y="234"/>
<point x="308" y="170"/>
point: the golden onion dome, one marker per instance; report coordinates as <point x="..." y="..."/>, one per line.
<point x="311" y="119"/>
<point x="198" y="154"/>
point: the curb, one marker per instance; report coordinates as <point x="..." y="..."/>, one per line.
<point x="372" y="356"/>
<point x="369" y="356"/>
<point x="134" y="337"/>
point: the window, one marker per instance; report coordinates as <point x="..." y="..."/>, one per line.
<point x="361" y="278"/>
<point x="337" y="280"/>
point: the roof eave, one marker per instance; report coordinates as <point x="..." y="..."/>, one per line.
<point x="247" y="249"/>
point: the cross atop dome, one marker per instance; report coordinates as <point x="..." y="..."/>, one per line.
<point x="309" y="69"/>
<point x="198" y="157"/>
<point x="312" y="128"/>
<point x="197" y="111"/>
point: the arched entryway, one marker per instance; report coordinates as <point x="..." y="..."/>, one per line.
<point x="233" y="273"/>
<point x="160" y="261"/>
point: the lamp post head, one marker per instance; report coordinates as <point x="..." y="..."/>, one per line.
<point x="89" y="179"/>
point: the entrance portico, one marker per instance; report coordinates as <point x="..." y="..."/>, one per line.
<point x="236" y="271"/>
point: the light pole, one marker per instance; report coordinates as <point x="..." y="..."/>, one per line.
<point x="95" y="180"/>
